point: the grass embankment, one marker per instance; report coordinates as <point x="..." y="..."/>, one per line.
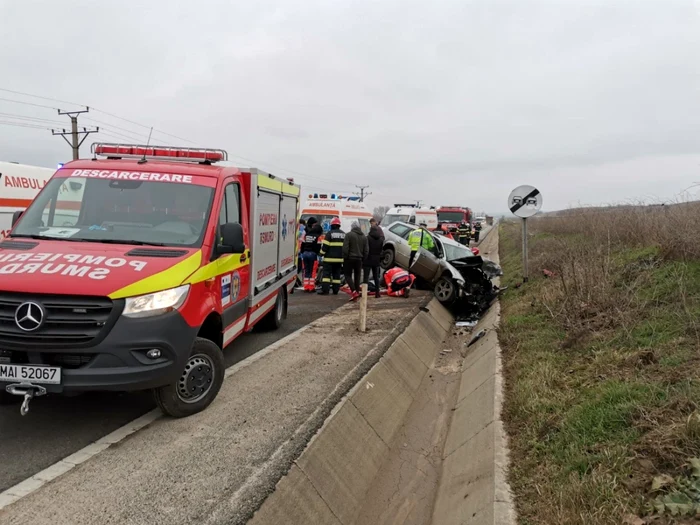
<point x="602" y="362"/>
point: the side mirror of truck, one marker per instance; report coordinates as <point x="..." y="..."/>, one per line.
<point x="231" y="239"/>
<point x="16" y="215"/>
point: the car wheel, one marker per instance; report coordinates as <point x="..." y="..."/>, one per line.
<point x="388" y="258"/>
<point x="273" y="320"/>
<point x="445" y="290"/>
<point x="199" y="383"/>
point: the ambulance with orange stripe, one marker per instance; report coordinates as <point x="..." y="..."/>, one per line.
<point x="19" y="184"/>
<point x="134" y="270"/>
<point x="327" y="206"/>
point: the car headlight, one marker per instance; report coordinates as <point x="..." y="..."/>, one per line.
<point x="156" y="303"/>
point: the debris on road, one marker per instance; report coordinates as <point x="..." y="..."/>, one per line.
<point x="478" y="336"/>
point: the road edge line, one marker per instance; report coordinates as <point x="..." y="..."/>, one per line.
<point x="55" y="470"/>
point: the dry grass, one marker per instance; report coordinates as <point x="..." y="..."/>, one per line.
<point x="601" y="360"/>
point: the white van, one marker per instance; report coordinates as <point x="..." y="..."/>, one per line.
<point x="19" y="184"/>
<point x="326" y="206"/>
<point x="412" y="214"/>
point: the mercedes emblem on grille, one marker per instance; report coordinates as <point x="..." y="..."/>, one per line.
<point x="29" y="316"/>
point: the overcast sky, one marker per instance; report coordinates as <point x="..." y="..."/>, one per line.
<point x="450" y="102"/>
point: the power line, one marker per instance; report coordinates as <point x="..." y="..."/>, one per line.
<point x="156" y="131"/>
<point x="135" y="133"/>
<point x="23" y="125"/>
<point x="23" y="117"/>
<point x="39" y="97"/>
<point x="27" y="103"/>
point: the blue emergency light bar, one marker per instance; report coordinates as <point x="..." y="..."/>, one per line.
<point x="324" y="196"/>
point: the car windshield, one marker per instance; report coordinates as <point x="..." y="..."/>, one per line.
<point x="450" y="216"/>
<point x="455" y="251"/>
<point x="388" y="219"/>
<point x="118" y="211"/>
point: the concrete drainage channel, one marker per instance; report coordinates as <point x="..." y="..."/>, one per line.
<point x="385" y="454"/>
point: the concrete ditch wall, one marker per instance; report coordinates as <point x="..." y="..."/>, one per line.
<point x="329" y="481"/>
<point x="473" y="488"/>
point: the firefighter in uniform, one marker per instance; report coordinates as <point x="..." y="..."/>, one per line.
<point x="398" y="282"/>
<point x="463" y="233"/>
<point x="310" y="249"/>
<point x="477" y="231"/>
<point x="332" y="253"/>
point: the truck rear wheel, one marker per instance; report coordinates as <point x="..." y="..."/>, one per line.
<point x="273" y="320"/>
<point x="199" y="383"/>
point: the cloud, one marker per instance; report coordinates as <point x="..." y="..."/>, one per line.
<point x="455" y="100"/>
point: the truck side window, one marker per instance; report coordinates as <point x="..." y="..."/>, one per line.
<point x="230" y="205"/>
<point x="233" y="208"/>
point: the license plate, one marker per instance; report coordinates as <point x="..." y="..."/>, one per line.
<point x="31" y="374"/>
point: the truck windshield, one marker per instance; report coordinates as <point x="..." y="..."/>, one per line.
<point x="118" y="211"/>
<point x="388" y="219"/>
<point x="450" y="216"/>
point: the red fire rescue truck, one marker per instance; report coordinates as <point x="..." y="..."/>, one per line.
<point x="451" y="217"/>
<point x="168" y="257"/>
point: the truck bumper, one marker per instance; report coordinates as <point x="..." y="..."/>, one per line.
<point x="119" y="362"/>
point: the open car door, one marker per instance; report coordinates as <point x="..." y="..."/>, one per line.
<point x="426" y="264"/>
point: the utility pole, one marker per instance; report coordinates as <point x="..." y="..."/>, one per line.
<point x="74" y="143"/>
<point x="362" y="193"/>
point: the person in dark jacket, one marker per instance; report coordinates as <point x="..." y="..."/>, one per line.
<point x="375" y="239"/>
<point x="310" y="248"/>
<point x="355" y="250"/>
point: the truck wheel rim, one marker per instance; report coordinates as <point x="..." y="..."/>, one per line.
<point x="196" y="380"/>
<point x="443" y="290"/>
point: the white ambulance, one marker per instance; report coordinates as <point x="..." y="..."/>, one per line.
<point x="326" y="206"/>
<point x="19" y="184"/>
<point x="413" y="214"/>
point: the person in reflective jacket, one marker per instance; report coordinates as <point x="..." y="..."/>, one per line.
<point x="420" y="238"/>
<point x="332" y="253"/>
<point x="398" y="282"/>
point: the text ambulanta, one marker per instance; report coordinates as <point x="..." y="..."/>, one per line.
<point x="23" y="182"/>
<point x="69" y="264"/>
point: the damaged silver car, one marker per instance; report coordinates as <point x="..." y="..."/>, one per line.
<point x="451" y="268"/>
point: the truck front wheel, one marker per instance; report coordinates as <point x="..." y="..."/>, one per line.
<point x="198" y="384"/>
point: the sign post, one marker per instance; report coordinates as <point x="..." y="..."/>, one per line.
<point x="363" y="308"/>
<point x="524" y="202"/>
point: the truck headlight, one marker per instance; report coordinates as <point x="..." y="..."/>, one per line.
<point x="156" y="303"/>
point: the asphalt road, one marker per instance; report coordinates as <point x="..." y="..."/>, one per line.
<point x="57" y="426"/>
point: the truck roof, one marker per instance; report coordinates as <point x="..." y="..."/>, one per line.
<point x="156" y="166"/>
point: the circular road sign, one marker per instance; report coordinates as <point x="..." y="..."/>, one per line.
<point x="525" y="201"/>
